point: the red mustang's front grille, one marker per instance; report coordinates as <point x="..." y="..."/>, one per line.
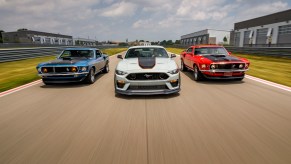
<point x="228" y="66"/>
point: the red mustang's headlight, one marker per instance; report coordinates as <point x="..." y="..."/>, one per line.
<point x="247" y="66"/>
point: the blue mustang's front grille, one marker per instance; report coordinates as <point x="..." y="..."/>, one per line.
<point x="58" y="69"/>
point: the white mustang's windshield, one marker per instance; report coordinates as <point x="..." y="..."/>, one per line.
<point x="77" y="54"/>
<point x="146" y="52"/>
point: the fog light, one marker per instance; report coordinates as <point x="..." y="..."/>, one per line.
<point x="44" y="70"/>
<point x="74" y="69"/>
<point x="174" y="83"/>
<point x="120" y="83"/>
<point x="241" y="66"/>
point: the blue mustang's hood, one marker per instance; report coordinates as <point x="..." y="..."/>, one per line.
<point x="66" y="62"/>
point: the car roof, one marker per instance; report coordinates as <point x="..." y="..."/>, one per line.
<point x="81" y="48"/>
<point x="205" y="46"/>
<point x="146" y="47"/>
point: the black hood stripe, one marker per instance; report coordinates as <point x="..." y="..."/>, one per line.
<point x="147" y="62"/>
<point x="222" y="58"/>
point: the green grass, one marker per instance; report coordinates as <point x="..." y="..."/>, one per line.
<point x="113" y="51"/>
<point x="275" y="69"/>
<point x="175" y="50"/>
<point x="16" y="73"/>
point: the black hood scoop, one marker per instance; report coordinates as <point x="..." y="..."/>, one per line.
<point x="222" y="58"/>
<point x="147" y="62"/>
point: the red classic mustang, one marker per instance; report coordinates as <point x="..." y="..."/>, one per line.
<point x="213" y="62"/>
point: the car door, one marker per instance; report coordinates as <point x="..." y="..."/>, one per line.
<point x="99" y="60"/>
<point x="193" y="58"/>
<point x="188" y="57"/>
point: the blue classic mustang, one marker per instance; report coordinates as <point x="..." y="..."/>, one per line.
<point x="74" y="65"/>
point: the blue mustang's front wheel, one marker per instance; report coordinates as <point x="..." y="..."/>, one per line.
<point x="106" y="68"/>
<point x="91" y="76"/>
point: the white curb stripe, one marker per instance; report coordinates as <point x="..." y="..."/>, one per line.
<point x="283" y="87"/>
<point x="5" y="93"/>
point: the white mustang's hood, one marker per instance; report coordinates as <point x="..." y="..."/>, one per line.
<point x="133" y="65"/>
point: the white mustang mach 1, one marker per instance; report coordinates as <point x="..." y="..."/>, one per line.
<point x="147" y="70"/>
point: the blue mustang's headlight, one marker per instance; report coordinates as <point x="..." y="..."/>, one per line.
<point x="39" y="69"/>
<point x="83" y="69"/>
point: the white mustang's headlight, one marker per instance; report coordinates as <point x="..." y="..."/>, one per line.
<point x="175" y="71"/>
<point x="118" y="72"/>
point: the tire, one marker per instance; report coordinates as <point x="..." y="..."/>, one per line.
<point x="45" y="82"/>
<point x="183" y="68"/>
<point x="106" y="68"/>
<point x="239" y="79"/>
<point x="197" y="74"/>
<point x="91" y="76"/>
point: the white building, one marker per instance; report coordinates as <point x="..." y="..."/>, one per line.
<point x="84" y="42"/>
<point x="208" y="36"/>
<point x="268" y="31"/>
<point x="144" y="43"/>
<point x="36" y="37"/>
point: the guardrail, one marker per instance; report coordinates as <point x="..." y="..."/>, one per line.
<point x="7" y="55"/>
<point x="266" y="51"/>
<point x="14" y="54"/>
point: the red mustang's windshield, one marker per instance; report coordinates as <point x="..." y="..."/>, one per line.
<point x="210" y="51"/>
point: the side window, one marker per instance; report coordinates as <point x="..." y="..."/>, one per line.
<point x="98" y="54"/>
<point x="190" y="50"/>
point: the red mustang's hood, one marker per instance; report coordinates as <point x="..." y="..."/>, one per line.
<point x="222" y="58"/>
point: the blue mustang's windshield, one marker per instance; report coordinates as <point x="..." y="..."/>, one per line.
<point x="146" y="52"/>
<point x="77" y="54"/>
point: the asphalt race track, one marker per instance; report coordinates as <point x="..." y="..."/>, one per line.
<point x="220" y="122"/>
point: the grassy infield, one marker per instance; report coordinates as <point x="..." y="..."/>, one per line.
<point x="13" y="74"/>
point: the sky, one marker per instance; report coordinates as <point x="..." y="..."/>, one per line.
<point x="118" y="20"/>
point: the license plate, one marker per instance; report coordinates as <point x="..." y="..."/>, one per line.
<point x="228" y="74"/>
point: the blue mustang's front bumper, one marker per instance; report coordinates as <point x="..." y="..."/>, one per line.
<point x="64" y="78"/>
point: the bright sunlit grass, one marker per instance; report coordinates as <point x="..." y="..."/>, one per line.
<point x="113" y="51"/>
<point x="275" y="69"/>
<point x="16" y="73"/>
